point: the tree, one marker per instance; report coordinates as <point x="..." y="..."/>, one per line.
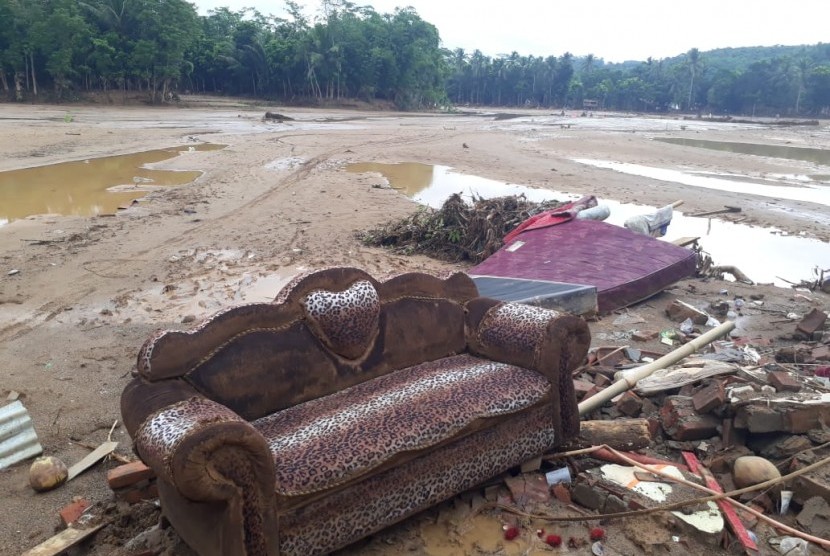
<point x="694" y="63"/>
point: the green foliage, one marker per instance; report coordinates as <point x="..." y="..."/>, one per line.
<point x="157" y="47"/>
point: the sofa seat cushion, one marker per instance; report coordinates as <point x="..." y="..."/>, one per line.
<point x="329" y="441"/>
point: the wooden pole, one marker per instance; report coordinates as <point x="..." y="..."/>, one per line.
<point x="620" y="434"/>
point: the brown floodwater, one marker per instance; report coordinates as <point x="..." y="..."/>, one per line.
<point x="83" y="187"/>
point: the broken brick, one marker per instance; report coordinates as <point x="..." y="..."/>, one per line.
<point x="695" y="429"/>
<point x="679" y="311"/>
<point x="783" y="382"/>
<point x="630" y="404"/>
<point x="529" y="488"/>
<point x="821" y="353"/>
<point x="681" y="422"/>
<point x="601" y="380"/>
<point x="594" y="390"/>
<point x="135" y="494"/>
<point x="812" y="322"/>
<point x="73" y="511"/>
<point x="128" y="474"/>
<point x="644" y="335"/>
<point x="709" y="397"/>
<point x="582" y="387"/>
<point x="782" y="417"/>
<point x="588" y="496"/>
<point x="561" y="493"/>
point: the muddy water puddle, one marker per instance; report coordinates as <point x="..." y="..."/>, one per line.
<point x="765" y="255"/>
<point x="90" y="187"/>
<point x="806" y="154"/>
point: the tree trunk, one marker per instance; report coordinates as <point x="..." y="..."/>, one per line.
<point x="34" y="77"/>
<point x="4" y="81"/>
<point x="18" y="87"/>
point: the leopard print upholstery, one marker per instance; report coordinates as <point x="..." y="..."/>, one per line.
<point x="360" y="510"/>
<point x="159" y="436"/>
<point x="328" y="441"/>
<point x="516" y="328"/>
<point x="345" y="321"/>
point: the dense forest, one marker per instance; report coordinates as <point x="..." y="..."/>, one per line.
<point x="61" y="50"/>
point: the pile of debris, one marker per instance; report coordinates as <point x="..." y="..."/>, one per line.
<point x="742" y="417"/>
<point x="458" y="231"/>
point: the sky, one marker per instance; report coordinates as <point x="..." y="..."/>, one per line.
<point x="614" y="30"/>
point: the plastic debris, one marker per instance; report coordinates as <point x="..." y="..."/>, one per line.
<point x="786" y="497"/>
<point x="791" y="546"/>
<point x="561" y="475"/>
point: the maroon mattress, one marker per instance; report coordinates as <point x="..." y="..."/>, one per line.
<point x="625" y="267"/>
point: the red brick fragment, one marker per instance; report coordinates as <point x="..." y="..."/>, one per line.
<point x="561" y="493"/>
<point x="812" y="322"/>
<point x="74" y="510"/>
<point x="630" y="404"/>
<point x="134" y="495"/>
<point x="128" y="474"/>
<point x="681" y="422"/>
<point x="709" y="397"/>
<point x="783" y="382"/>
<point x="644" y="335"/>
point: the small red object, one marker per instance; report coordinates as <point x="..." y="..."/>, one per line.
<point x="553" y="540"/>
<point x="540" y="533"/>
<point x="597" y="534"/>
<point x="511" y="533"/>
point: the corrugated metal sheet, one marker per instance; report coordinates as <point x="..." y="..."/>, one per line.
<point x="18" y="440"/>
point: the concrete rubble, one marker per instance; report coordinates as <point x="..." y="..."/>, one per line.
<point x="764" y="397"/>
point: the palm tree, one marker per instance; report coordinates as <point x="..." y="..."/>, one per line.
<point x="802" y="70"/>
<point x="588" y="64"/>
<point x="694" y="63"/>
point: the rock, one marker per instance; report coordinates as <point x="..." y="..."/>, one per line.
<point x="815" y="517"/>
<point x="751" y="470"/>
<point x="46" y="473"/>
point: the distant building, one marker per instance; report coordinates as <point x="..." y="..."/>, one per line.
<point x="590" y="104"/>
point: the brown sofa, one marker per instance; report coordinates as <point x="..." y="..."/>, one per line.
<point x="347" y="404"/>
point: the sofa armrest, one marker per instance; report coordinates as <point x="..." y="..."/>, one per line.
<point x="200" y="447"/>
<point x="544" y="340"/>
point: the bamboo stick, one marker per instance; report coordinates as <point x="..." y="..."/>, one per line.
<point x="628" y="379"/>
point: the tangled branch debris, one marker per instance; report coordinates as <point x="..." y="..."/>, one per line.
<point x="458" y="231"/>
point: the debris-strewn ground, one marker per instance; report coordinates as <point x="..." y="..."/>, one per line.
<point x="459" y="231"/>
<point x="89" y="290"/>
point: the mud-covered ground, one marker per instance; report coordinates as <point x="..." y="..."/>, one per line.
<point x="277" y="200"/>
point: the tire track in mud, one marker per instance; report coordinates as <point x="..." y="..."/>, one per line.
<point x="36" y="316"/>
<point x="297" y="176"/>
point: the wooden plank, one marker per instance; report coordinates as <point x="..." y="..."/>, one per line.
<point x="685" y="240"/>
<point x="728" y="510"/>
<point x="91" y="459"/>
<point x="63" y="540"/>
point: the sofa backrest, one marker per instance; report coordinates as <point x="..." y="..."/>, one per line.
<point x="325" y="331"/>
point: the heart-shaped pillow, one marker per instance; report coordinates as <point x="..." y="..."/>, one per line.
<point x="345" y="321"/>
